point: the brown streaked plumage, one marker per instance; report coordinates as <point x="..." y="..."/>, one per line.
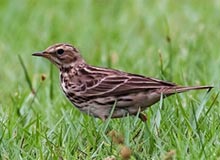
<point x="95" y="90"/>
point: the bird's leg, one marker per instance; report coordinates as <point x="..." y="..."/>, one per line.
<point x="103" y="118"/>
<point x="143" y="117"/>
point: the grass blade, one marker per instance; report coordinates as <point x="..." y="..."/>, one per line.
<point x="51" y="81"/>
<point x="27" y="77"/>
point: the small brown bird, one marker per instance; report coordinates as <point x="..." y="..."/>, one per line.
<point x="96" y="91"/>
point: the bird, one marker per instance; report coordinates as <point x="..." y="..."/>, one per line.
<point x="104" y="92"/>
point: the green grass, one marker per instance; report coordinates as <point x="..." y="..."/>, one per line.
<point x="175" y="41"/>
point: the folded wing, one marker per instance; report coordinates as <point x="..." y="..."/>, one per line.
<point x="116" y="85"/>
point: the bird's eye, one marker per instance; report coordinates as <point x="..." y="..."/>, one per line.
<point x="60" y="51"/>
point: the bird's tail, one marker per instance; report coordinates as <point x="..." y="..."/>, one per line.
<point x="180" y="89"/>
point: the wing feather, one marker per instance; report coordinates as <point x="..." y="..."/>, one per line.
<point x="120" y="84"/>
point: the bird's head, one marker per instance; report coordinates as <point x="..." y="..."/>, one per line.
<point x="62" y="55"/>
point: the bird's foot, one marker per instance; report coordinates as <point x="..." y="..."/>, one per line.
<point x="143" y="117"/>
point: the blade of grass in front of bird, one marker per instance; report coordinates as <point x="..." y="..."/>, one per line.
<point x="109" y="118"/>
<point x="158" y="114"/>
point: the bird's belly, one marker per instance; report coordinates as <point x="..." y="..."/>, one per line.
<point x="122" y="105"/>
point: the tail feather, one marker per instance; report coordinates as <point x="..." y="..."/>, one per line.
<point x="180" y="89"/>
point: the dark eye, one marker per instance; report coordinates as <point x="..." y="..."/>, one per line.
<point x="60" y="51"/>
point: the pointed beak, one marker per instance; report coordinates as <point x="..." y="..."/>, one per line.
<point x="40" y="54"/>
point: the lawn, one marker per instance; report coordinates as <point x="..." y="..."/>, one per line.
<point x="173" y="41"/>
